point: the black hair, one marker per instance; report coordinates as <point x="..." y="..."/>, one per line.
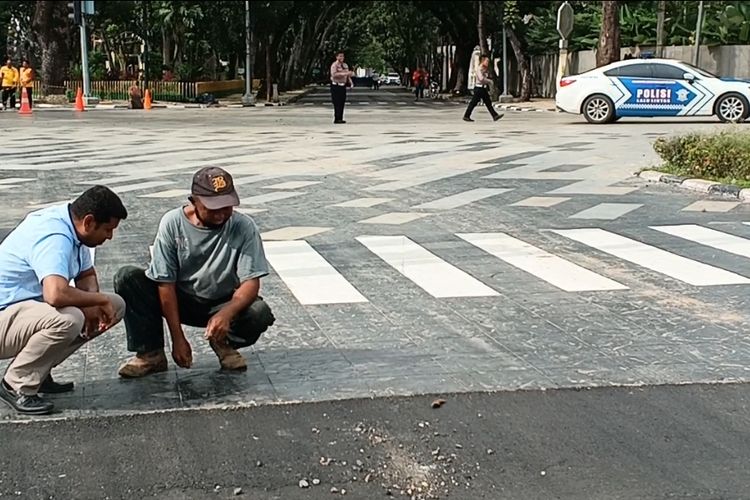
<point x="484" y="56"/>
<point x="101" y="202"/>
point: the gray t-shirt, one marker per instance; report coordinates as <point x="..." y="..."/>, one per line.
<point x="207" y="263"/>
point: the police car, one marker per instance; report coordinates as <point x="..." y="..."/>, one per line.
<point x="652" y="87"/>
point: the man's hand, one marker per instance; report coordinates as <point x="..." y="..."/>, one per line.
<point x="218" y="326"/>
<point x="182" y="353"/>
<point x="98" y="319"/>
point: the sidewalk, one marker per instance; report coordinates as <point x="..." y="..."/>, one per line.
<point x="232" y="101"/>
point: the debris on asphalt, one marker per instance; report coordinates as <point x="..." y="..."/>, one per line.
<point x="438" y="403"/>
<point x="237" y="491"/>
<point x="316" y="481"/>
<point x="303" y="483"/>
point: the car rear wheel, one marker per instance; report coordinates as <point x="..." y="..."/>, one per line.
<point x="598" y="109"/>
<point x="732" y="108"/>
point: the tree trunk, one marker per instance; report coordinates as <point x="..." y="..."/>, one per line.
<point x="661" y="10"/>
<point x="166" y="48"/>
<point x="609" y="39"/>
<point x="51" y="27"/>
<point x="269" y="82"/>
<point x="483" y="47"/>
<point x="524" y="63"/>
<point x="461" y="61"/>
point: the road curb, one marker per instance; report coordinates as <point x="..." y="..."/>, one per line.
<point x="508" y="107"/>
<point x="698" y="185"/>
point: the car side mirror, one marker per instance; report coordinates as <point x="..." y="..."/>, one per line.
<point x="689" y="77"/>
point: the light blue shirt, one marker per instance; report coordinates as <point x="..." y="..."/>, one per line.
<point x="43" y="244"/>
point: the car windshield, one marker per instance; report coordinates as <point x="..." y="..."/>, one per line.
<point x="701" y="72"/>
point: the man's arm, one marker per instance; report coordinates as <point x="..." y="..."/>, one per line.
<point x="245" y="295"/>
<point x="220" y="323"/>
<point x="57" y="292"/>
<point x="170" y="310"/>
<point x="87" y="281"/>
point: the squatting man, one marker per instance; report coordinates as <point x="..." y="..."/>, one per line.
<point x="205" y="271"/>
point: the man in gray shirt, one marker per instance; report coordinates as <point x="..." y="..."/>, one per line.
<point x="205" y="271"/>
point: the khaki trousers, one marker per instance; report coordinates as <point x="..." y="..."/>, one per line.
<point x="40" y="337"/>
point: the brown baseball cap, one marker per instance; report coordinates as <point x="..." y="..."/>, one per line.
<point x="214" y="187"/>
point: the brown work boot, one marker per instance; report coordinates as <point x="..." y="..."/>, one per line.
<point x="144" y="364"/>
<point x="229" y="358"/>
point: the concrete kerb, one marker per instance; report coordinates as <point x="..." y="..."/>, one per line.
<point x="699" y="185"/>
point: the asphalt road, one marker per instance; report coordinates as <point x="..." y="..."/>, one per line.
<point x="621" y="443"/>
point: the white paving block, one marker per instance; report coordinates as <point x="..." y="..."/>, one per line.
<point x="428" y="271"/>
<point x="292" y="185"/>
<point x="310" y="278"/>
<point x="461" y="199"/>
<point x="539" y="201"/>
<point x="270" y="197"/>
<point x="552" y="269"/>
<point x="293" y="233"/>
<point x="126" y="188"/>
<point x="708" y="237"/>
<point x="363" y="202"/>
<point x="606" y="211"/>
<point x="711" y="206"/>
<point x="656" y="259"/>
<point x="394" y="218"/>
<point x="169" y="193"/>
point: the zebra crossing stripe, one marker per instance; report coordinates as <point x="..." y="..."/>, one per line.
<point x="656" y="259"/>
<point x="310" y="278"/>
<point x="709" y="237"/>
<point x="431" y="273"/>
<point x="552" y="269"/>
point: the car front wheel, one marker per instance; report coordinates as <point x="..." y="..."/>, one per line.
<point x="599" y="109"/>
<point x="732" y="108"/>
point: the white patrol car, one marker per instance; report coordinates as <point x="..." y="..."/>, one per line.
<point x="652" y="87"/>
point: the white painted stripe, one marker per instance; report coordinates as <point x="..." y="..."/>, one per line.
<point x="431" y="273"/>
<point x="661" y="261"/>
<point x="552" y="269"/>
<point x="606" y="211"/>
<point x="269" y="197"/>
<point x="461" y="199"/>
<point x="126" y="188"/>
<point x="709" y="237"/>
<point x="308" y="275"/>
<point x="169" y="193"/>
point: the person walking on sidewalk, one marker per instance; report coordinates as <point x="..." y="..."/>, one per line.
<point x="9" y="79"/>
<point x="341" y="77"/>
<point x="481" y="91"/>
<point x="27" y="80"/>
<point x="43" y="319"/>
<point x="205" y="271"/>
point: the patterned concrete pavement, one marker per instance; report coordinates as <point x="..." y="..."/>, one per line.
<point x="412" y="252"/>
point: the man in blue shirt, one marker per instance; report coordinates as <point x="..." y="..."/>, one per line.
<point x="43" y="319"/>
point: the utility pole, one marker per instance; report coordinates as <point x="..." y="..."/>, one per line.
<point x="660" y="15"/>
<point x="699" y="26"/>
<point x="85" y="61"/>
<point x="145" y="45"/>
<point x="248" y="99"/>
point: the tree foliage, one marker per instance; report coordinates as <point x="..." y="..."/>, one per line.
<point x="204" y="39"/>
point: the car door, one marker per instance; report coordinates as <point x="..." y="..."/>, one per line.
<point x="650" y="89"/>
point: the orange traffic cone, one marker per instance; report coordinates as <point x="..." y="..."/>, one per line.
<point x="147" y="100"/>
<point x="25" y="107"/>
<point x="79" y="100"/>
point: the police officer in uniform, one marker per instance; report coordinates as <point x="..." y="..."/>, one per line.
<point x="341" y="77"/>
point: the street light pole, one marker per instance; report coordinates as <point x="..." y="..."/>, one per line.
<point x="85" y="60"/>
<point x="696" y="57"/>
<point x="248" y="99"/>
